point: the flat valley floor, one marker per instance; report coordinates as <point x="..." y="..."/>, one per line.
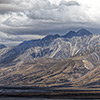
<point x="46" y="94"/>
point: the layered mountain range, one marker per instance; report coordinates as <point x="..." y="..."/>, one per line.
<point x="71" y="60"/>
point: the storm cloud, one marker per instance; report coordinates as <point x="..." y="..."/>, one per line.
<point x="32" y="19"/>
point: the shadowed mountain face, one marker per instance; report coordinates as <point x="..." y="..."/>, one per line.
<point x="81" y="32"/>
<point x="72" y="60"/>
<point x="2" y="46"/>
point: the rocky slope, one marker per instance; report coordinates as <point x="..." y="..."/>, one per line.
<point x="60" y="61"/>
<point x="52" y="46"/>
<point x="82" y="70"/>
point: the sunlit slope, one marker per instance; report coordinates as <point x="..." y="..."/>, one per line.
<point x="48" y="72"/>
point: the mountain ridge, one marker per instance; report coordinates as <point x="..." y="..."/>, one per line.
<point x="46" y="46"/>
<point x="81" y="32"/>
<point x="53" y="61"/>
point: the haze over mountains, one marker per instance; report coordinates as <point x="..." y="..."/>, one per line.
<point x="71" y="60"/>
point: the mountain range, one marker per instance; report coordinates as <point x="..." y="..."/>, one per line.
<point x="51" y="46"/>
<point x="71" y="60"/>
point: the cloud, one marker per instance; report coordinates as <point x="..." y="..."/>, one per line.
<point x="69" y="3"/>
<point x="43" y="11"/>
<point x="7" y="8"/>
<point x="27" y="18"/>
<point x="5" y="1"/>
<point x="8" y="39"/>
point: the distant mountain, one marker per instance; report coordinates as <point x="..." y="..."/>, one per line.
<point x="51" y="46"/>
<point x="54" y="61"/>
<point x="69" y="34"/>
<point x="2" y="46"/>
<point x="81" y="32"/>
<point x="12" y="54"/>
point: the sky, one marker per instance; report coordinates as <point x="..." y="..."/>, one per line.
<point x="22" y="20"/>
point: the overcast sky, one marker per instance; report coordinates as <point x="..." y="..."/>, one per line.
<point x="22" y="20"/>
